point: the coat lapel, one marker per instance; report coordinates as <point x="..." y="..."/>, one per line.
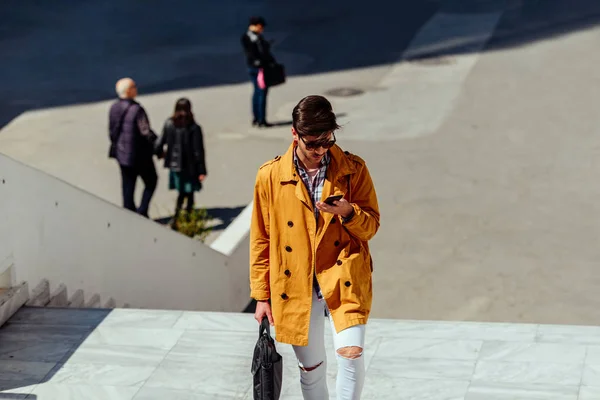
<point x="289" y="175"/>
<point x="302" y="194"/>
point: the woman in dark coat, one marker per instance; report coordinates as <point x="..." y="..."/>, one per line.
<point x="184" y="156"/>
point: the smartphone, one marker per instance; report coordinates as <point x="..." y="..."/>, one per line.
<point x="331" y="199"/>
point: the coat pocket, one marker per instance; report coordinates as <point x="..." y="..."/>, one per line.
<point x="354" y="281"/>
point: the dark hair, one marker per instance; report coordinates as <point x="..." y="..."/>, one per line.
<point x="257" y="21"/>
<point x="314" y="116"/>
<point x="183" y="116"/>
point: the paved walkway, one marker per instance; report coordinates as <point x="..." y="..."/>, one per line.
<point x="484" y="158"/>
<point x="72" y="354"/>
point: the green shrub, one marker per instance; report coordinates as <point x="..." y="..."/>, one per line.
<point x="194" y="224"/>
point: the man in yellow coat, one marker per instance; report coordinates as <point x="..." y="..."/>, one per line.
<point x="309" y="256"/>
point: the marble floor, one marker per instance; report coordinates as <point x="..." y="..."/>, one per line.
<point x="127" y="354"/>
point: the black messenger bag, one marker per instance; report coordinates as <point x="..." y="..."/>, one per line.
<point x="267" y="366"/>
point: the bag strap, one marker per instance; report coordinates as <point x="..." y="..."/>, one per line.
<point x="264" y="326"/>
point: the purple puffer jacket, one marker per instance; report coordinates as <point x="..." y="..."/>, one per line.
<point x="134" y="140"/>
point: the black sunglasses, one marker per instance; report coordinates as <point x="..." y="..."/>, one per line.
<point x="316" y="144"/>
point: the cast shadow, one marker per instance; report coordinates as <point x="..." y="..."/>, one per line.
<point x="165" y="52"/>
<point x="279" y="124"/>
<point x="39" y="341"/>
<point x="224" y="216"/>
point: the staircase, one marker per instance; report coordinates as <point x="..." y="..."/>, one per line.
<point x="13" y="298"/>
<point x="42" y="297"/>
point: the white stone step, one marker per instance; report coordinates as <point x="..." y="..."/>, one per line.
<point x="93" y="302"/>
<point x="59" y="297"/>
<point x="110" y="303"/>
<point x="40" y="295"/>
<point x="6" y="272"/>
<point x="11" y="299"/>
<point x="77" y="299"/>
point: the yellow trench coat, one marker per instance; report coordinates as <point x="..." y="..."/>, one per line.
<point x="287" y="245"/>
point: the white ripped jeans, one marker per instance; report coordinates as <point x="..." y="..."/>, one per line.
<point x="351" y="372"/>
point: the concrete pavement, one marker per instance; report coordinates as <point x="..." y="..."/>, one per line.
<point x="484" y="161"/>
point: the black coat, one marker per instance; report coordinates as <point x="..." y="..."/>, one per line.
<point x="257" y="50"/>
<point x="185" y="149"/>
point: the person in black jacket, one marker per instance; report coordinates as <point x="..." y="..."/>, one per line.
<point x="185" y="154"/>
<point x="258" y="55"/>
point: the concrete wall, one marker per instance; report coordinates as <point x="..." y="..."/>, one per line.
<point x="50" y="229"/>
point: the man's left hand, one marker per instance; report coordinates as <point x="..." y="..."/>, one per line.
<point x="339" y="207"/>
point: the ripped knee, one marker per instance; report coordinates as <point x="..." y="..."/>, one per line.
<point x="350" y="352"/>
<point x="308" y="369"/>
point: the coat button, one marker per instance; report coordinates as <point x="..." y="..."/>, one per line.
<point x="287" y="272"/>
<point x="333" y="220"/>
<point x="290" y="224"/>
<point x="284" y="296"/>
<point x="288" y="249"/>
<point x="347" y="284"/>
<point x="339" y="262"/>
<point x="336" y="243"/>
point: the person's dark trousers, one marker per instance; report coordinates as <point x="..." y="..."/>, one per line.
<point x="259" y="98"/>
<point x="190" y="206"/>
<point x="129" y="175"/>
<point x="190" y="202"/>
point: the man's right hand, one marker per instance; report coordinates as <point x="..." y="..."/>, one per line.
<point x="263" y="308"/>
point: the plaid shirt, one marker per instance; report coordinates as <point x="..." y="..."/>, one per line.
<point x="315" y="190"/>
<point x="314" y="185"/>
